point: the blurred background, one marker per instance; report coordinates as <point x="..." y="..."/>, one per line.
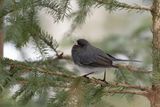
<point x="121" y="30"/>
<point x="122" y="33"/>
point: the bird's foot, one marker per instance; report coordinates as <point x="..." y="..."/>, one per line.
<point x="86" y="75"/>
<point x="103" y="80"/>
<point x="103" y="83"/>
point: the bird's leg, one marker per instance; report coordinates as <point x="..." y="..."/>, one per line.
<point x="104" y="78"/>
<point x="87" y="74"/>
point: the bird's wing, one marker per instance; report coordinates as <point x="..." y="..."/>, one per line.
<point x="110" y="56"/>
<point x="94" y="57"/>
<point x="100" y="62"/>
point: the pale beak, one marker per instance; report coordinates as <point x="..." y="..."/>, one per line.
<point x="75" y="42"/>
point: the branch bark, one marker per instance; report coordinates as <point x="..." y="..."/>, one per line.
<point x="130" y="86"/>
<point x="154" y="96"/>
<point x="154" y="93"/>
<point x="127" y="92"/>
<point x="133" y="68"/>
<point x="45" y="71"/>
<point x="1" y="31"/>
<point x="156" y="36"/>
<point x="1" y="43"/>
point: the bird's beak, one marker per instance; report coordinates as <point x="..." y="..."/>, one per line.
<point x="75" y="43"/>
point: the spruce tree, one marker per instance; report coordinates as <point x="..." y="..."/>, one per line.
<point x="37" y="80"/>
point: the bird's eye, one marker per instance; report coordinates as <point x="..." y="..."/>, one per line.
<point x="79" y="43"/>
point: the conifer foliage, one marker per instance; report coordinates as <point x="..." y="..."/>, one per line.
<point x="48" y="83"/>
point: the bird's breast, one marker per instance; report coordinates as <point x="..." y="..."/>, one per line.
<point x="85" y="70"/>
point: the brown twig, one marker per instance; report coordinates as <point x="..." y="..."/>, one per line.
<point x="127" y="92"/>
<point x="26" y="68"/>
<point x="124" y="85"/>
<point x="133" y="68"/>
<point x="92" y="80"/>
<point x="129" y="86"/>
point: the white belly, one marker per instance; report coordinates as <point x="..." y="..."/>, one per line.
<point x="86" y="70"/>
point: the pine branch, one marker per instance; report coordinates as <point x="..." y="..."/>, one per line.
<point x="26" y="68"/>
<point x="42" y="70"/>
<point x="66" y="7"/>
<point x="133" y="68"/>
<point x="124" y="85"/>
<point x="17" y="7"/>
<point x="23" y="81"/>
<point x="127" y="92"/>
<point x="55" y="8"/>
<point x="52" y="43"/>
<point x="120" y="5"/>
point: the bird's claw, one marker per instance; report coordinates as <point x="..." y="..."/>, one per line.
<point x="104" y="82"/>
<point x="85" y="75"/>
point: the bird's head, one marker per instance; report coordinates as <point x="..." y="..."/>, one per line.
<point x="82" y="43"/>
<point x="80" y="47"/>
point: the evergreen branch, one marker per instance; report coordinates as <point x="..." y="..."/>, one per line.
<point x="120" y="5"/>
<point x="129" y="86"/>
<point x="92" y="80"/>
<point x="38" y="46"/>
<point x="66" y="7"/>
<point x="42" y="4"/>
<point x="132" y="68"/>
<point x="5" y="11"/>
<point x="124" y="85"/>
<point x="97" y="81"/>
<point x="44" y="71"/>
<point x="25" y="68"/>
<point x="127" y="91"/>
<point x="66" y="57"/>
<point x="48" y="40"/>
<point x="58" y="9"/>
<point x="50" y="5"/>
<point x="23" y="81"/>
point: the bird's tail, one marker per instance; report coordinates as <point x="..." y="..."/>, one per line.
<point x="126" y="60"/>
<point x="116" y="59"/>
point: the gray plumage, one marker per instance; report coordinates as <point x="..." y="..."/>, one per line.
<point x="86" y="55"/>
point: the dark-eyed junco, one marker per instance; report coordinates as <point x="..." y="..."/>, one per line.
<point x="90" y="59"/>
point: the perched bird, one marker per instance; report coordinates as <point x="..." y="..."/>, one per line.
<point x="90" y="59"/>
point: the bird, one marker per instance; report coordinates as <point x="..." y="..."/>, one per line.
<point x="90" y="59"/>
